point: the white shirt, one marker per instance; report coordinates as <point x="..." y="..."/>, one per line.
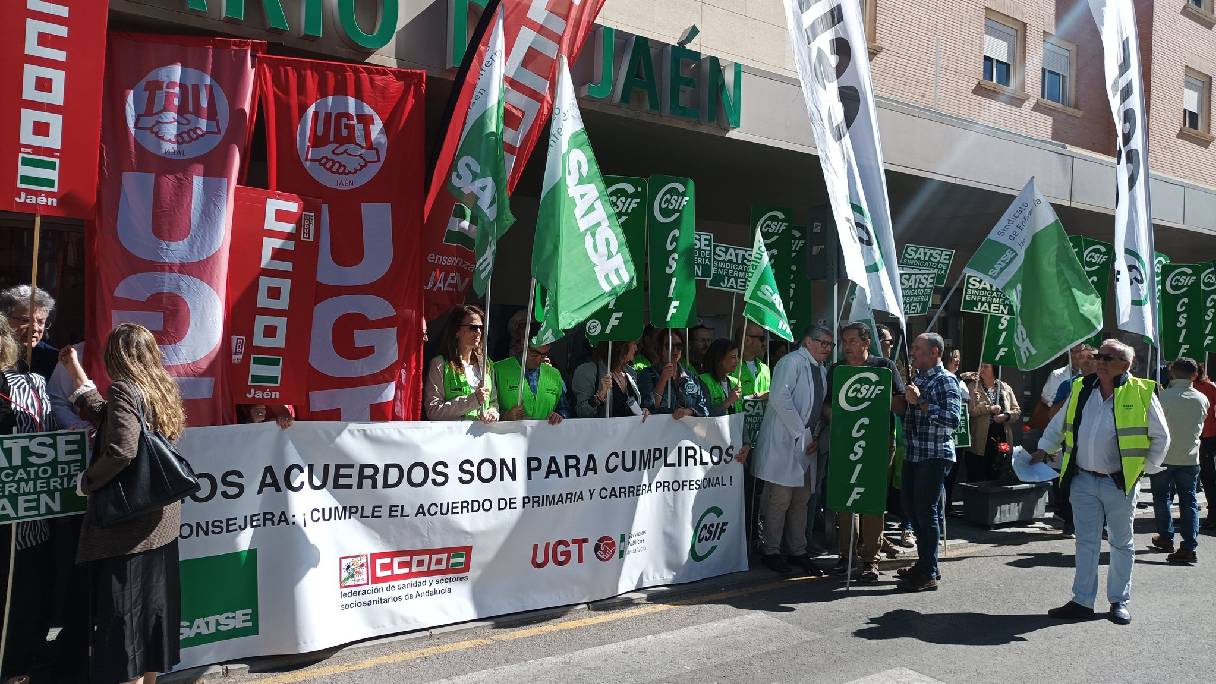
<point x="1057" y="378"/>
<point x="1097" y="445"/>
<point x="61" y="386"/>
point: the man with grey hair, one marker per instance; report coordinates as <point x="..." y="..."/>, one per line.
<point x="934" y="407"/>
<point x="787" y="447"/>
<point x="29" y="327"/>
<point x="1112" y="430"/>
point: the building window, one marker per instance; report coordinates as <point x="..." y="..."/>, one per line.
<point x="1000" y="46"/>
<point x="1194" y="102"/>
<point x="1201" y="4"/>
<point x="1057" y="68"/>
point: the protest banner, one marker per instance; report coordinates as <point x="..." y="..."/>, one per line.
<point x="50" y="120"/>
<point x="982" y="298"/>
<point x="272" y="276"/>
<point x="671" y="203"/>
<point x="787" y="248"/>
<point x="329" y="533"/>
<point x="962" y="436"/>
<point x="936" y="259"/>
<point x="998" y="341"/>
<point x="1095" y="257"/>
<point x="917" y="288"/>
<point x="535" y="35"/>
<point x="1207" y="289"/>
<point x="860" y="440"/>
<point x="39" y="471"/>
<point x="175" y="124"/>
<point x="730" y="266"/>
<point x="703" y="255"/>
<point x="624" y="319"/>
<point x="1183" y="315"/>
<point x="352" y="136"/>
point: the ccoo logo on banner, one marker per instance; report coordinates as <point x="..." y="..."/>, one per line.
<point x="860" y="450"/>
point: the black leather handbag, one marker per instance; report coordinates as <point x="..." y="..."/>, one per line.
<point x="156" y="478"/>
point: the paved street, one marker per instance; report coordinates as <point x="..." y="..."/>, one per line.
<point x="985" y="623"/>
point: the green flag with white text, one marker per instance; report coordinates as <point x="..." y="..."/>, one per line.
<point x="1028" y="257"/>
<point x="624" y="318"/>
<point x="761" y="301"/>
<point x="479" y="169"/>
<point x="580" y="255"/>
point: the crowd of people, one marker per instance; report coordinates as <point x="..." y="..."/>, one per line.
<point x="1102" y="427"/>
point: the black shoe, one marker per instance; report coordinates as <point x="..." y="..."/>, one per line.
<point x="1160" y="544"/>
<point x="903" y="573"/>
<point x="1072" y="611"/>
<point x="1119" y="614"/>
<point x="868" y="575"/>
<point x="805" y="564"/>
<point x="1182" y="557"/>
<point x="776" y="563"/>
<point x="915" y="582"/>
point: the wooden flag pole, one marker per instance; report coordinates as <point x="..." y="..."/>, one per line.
<point x="523" y="354"/>
<point x="29" y="351"/>
<point x="611" y="381"/>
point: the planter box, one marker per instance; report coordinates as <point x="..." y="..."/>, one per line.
<point x="991" y="503"/>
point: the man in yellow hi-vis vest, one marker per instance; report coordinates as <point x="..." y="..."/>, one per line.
<point x="1112" y="430"/>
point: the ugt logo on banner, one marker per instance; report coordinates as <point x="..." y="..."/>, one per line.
<point x="861" y="439"/>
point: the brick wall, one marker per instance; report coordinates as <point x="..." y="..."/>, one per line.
<point x="1179" y="41"/>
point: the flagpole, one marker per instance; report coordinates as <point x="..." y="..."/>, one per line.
<point x="611" y="379"/>
<point x="671" y="402"/>
<point x="29" y="350"/>
<point x="734" y="301"/>
<point x="523" y="353"/>
<point x="933" y="321"/>
<point x="485" y="339"/>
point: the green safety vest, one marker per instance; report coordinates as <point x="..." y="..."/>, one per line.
<point x="640" y="363"/>
<point x="1132" y="401"/>
<point x="537" y="406"/>
<point x="759" y="383"/>
<point x="717" y="395"/>
<point x="455" y="385"/>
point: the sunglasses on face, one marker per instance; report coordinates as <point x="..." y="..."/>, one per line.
<point x="474" y="328"/>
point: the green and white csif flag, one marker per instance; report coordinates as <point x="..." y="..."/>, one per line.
<point x="580" y="254"/>
<point x="1028" y="257"/>
<point x="761" y="300"/>
<point x="479" y="170"/>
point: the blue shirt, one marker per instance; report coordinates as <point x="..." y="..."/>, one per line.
<point x="1064" y="391"/>
<point x="930" y="432"/>
<point x="687" y="392"/>
<point x="562" y="407"/>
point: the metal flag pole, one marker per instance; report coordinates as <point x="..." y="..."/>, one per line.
<point x="848" y="573"/>
<point x="945" y="300"/>
<point x="523" y="353"/>
<point x="611" y="379"/>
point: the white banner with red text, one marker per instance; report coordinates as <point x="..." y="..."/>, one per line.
<point x="328" y="532"/>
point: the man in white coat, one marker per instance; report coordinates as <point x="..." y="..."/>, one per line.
<point x="787" y="445"/>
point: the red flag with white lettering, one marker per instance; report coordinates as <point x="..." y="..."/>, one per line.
<point x="353" y="136"/>
<point x="50" y="74"/>
<point x="536" y="34"/>
<point x="175" y="125"/>
<point x="272" y="275"/>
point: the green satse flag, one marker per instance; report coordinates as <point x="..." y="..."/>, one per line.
<point x="1028" y="257"/>
<point x="580" y="255"/>
<point x="761" y="301"/>
<point x="479" y="172"/>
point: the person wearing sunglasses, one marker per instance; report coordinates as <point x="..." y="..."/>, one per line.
<point x="1112" y="430"/>
<point x="756" y="375"/>
<point x="458" y="387"/>
<point x="666" y="386"/>
<point x="787" y="448"/>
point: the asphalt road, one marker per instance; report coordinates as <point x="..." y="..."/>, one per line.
<point x="987" y="622"/>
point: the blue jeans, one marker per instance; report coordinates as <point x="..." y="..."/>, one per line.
<point x="1094" y="500"/>
<point x="924" y="483"/>
<point x="1180" y="479"/>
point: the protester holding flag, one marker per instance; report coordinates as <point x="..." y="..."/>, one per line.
<point x="544" y="397"/>
<point x="647" y="351"/>
<point x="933" y="415"/>
<point x="25" y="407"/>
<point x="668" y="388"/>
<point x="756" y="376"/>
<point x="612" y="380"/>
<point x="855" y="341"/>
<point x="1112" y="430"/>
<point x="719" y="378"/>
<point x="459" y="382"/>
<point x="135" y="586"/>
<point x="788" y="448"/>
<point x="994" y="410"/>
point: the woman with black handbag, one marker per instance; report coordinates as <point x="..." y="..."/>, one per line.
<point x="136" y="598"/>
<point x="994" y="412"/>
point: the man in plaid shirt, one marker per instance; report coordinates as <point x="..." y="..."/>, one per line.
<point x="934" y="406"/>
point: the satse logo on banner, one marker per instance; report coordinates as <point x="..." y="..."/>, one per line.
<point x="177" y="112"/>
<point x="341" y="142"/>
<point x="227" y="609"/>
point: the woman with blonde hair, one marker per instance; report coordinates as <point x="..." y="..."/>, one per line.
<point x="25" y="407"/>
<point x="136" y="597"/>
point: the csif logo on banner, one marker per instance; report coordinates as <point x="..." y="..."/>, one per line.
<point x="177" y="112"/>
<point x="1095" y="257"/>
<point x="860" y="438"/>
<point x="341" y="142"/>
<point x="706" y="533"/>
<point x="1179" y="281"/>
